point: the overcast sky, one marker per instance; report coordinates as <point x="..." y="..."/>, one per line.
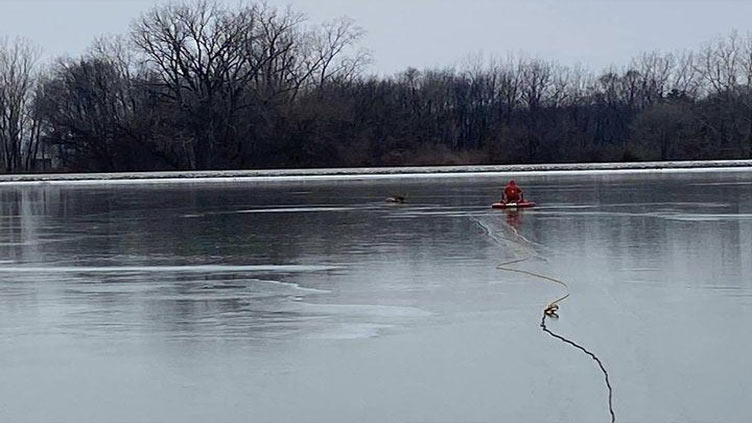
<point x="428" y="33"/>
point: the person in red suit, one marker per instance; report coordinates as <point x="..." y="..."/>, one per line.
<point x="512" y="193"/>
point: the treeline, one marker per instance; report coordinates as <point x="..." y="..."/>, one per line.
<point x="204" y="86"/>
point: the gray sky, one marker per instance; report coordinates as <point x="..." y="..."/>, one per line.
<point x="427" y="33"/>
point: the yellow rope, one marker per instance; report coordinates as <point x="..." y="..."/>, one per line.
<point x="553" y="306"/>
<point x="550" y="311"/>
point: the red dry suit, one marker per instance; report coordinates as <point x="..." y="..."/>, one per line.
<point x="512" y="193"/>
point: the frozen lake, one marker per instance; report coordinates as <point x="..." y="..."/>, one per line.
<point x="316" y="301"/>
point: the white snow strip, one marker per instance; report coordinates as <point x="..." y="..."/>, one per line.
<point x="370" y="173"/>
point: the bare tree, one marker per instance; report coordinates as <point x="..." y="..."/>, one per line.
<point x="327" y="56"/>
<point x="509" y="84"/>
<point x="745" y="65"/>
<point x="719" y="64"/>
<point x="537" y="79"/>
<point x="205" y="57"/>
<point x="18" y="125"/>
<point x="218" y="64"/>
<point x="92" y="108"/>
<point x="630" y="88"/>
<point x="560" y="87"/>
<point x="609" y="84"/>
<point x="584" y="81"/>
<point x="655" y="71"/>
<point x="686" y="78"/>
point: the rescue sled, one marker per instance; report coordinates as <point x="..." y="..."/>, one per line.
<point x="518" y="205"/>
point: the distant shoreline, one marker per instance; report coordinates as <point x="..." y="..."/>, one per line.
<point x="356" y="173"/>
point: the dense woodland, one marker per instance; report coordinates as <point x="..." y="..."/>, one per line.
<point x="205" y="86"/>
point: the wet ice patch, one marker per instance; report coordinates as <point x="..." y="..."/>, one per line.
<point x="705" y="184"/>
<point x="640" y="269"/>
<point x="658" y="214"/>
<point x="350" y="321"/>
<point x="437" y="211"/>
<point x="41" y="241"/>
<point x="507" y="235"/>
<point x="565" y="206"/>
<point x="207" y="268"/>
<point x="382" y="311"/>
<point x="698" y="217"/>
<point x="349" y="331"/>
<point x="199" y="289"/>
<point x="302" y="209"/>
<point x="295" y="210"/>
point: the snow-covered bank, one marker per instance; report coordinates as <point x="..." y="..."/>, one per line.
<point x="358" y="173"/>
